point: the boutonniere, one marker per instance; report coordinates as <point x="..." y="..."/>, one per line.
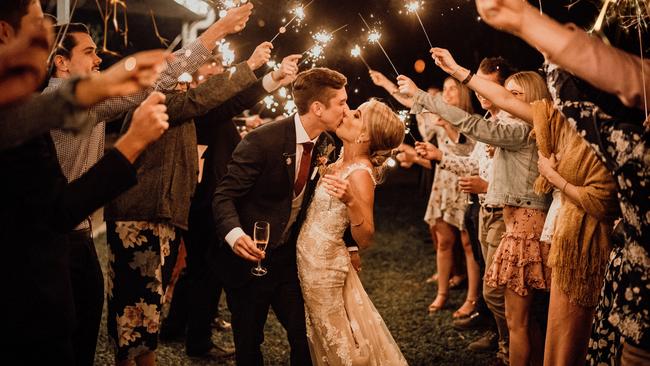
<point x="288" y="158"/>
<point x="324" y="151"/>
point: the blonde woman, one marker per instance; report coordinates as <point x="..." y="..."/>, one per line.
<point x="520" y="260"/>
<point x="343" y="326"/>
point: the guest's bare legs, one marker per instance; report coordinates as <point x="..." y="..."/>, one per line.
<point x="473" y="277"/>
<point x="445" y="237"/>
<point x="569" y="328"/>
<point x="517" y="316"/>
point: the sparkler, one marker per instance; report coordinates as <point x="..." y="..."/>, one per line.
<point x="403" y="116"/>
<point x="229" y="4"/>
<point x="321" y="40"/>
<point x="298" y="13"/>
<point x="413" y="7"/>
<point x="356" y="52"/>
<point x="227" y="54"/>
<point x="373" y="37"/>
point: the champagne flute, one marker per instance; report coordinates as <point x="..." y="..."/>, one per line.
<point x="261" y="233"/>
<point x="468" y="196"/>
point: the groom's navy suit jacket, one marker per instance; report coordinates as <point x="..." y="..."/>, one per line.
<point x="259" y="187"/>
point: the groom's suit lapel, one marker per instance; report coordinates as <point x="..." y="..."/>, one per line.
<point x="289" y="152"/>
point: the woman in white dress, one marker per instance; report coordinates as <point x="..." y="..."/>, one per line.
<point x="343" y="326"/>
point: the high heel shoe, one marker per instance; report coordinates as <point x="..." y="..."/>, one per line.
<point x="457" y="282"/>
<point x="464" y="314"/>
<point x="432" y="279"/>
<point x="433" y="307"/>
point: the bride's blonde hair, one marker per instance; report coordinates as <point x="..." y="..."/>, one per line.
<point x="384" y="129"/>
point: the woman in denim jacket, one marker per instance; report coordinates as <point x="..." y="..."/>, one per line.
<point x="520" y="261"/>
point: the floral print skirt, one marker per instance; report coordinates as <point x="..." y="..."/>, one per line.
<point x="623" y="312"/>
<point x="141" y="258"/>
<point x="520" y="261"/>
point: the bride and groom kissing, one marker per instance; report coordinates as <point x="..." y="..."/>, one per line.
<point x="278" y="174"/>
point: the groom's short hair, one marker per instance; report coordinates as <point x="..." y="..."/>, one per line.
<point x="317" y="84"/>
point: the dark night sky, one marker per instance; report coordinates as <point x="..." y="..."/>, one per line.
<point x="452" y="24"/>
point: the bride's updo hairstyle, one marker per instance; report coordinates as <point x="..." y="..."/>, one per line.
<point x="384" y="129"/>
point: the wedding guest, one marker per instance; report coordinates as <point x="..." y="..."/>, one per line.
<point x="446" y="208"/>
<point x="40" y="207"/>
<point x="622" y="322"/>
<point x="520" y="260"/>
<point x="23" y="59"/>
<point x="478" y="169"/>
<point x="144" y="225"/>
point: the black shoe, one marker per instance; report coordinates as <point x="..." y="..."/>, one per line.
<point x="475" y="321"/>
<point x="214" y="353"/>
<point x="221" y="325"/>
<point x="489" y="342"/>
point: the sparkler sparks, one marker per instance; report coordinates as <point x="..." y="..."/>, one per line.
<point x="356" y="52"/>
<point x="373" y="37"/>
<point x="322" y="37"/>
<point x="298" y="16"/>
<point x="413" y="7"/>
<point x="405" y="117"/>
<point x="321" y="40"/>
<point x="227" y="54"/>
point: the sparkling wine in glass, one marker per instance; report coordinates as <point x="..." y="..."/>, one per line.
<point x="261" y="232"/>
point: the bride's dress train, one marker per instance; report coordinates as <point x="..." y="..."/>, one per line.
<point x="343" y="326"/>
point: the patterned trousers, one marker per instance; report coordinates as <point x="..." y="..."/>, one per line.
<point x="141" y="258"/>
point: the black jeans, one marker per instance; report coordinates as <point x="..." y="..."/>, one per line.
<point x="88" y="293"/>
<point x="471" y="224"/>
<point x="197" y="292"/>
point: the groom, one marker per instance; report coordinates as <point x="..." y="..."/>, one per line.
<point x="272" y="177"/>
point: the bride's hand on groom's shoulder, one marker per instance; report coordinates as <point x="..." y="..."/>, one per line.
<point x="338" y="187"/>
<point x="245" y="247"/>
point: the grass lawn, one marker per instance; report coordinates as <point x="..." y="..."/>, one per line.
<point x="394" y="270"/>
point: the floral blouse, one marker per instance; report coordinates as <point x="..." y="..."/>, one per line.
<point x="618" y="137"/>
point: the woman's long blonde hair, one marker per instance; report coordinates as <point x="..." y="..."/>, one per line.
<point x="533" y="85"/>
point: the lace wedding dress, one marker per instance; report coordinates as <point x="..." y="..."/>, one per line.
<point x="343" y="326"/>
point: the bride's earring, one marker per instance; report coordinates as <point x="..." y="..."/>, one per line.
<point x="358" y="139"/>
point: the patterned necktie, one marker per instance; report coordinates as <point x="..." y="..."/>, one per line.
<point x="305" y="160"/>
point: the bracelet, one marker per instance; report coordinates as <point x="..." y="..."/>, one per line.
<point x="467" y="79"/>
<point x="454" y="73"/>
<point x="359" y="224"/>
<point x="564" y="186"/>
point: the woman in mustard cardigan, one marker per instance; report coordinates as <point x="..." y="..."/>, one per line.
<point x="580" y="243"/>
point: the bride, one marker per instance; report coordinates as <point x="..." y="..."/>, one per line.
<point x="343" y="326"/>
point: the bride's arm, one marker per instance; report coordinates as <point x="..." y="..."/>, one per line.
<point x="358" y="194"/>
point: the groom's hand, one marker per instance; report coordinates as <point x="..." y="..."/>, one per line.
<point x="355" y="259"/>
<point x="246" y="248"/>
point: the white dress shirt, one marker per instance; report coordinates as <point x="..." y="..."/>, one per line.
<point x="301" y="137"/>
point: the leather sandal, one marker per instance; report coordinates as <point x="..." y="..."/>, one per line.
<point x="433" y="278"/>
<point x="456" y="282"/>
<point x="463" y="314"/>
<point x="433" y="308"/>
